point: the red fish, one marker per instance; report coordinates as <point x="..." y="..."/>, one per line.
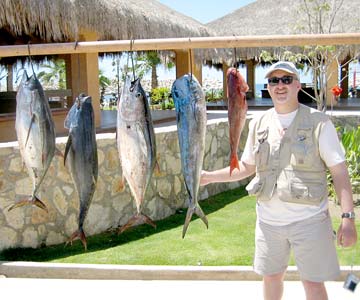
<point x="237" y="109"/>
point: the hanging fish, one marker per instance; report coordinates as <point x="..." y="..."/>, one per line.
<point x="191" y="120"/>
<point x="35" y="132"/>
<point x="81" y="150"/>
<point x="237" y="109"/>
<point x="136" y="146"/>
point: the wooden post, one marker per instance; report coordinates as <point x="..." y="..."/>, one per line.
<point x="332" y="80"/>
<point x="84" y="76"/>
<point x="250" y="77"/>
<point x="185" y="63"/>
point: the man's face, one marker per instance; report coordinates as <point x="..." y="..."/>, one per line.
<point x="284" y="96"/>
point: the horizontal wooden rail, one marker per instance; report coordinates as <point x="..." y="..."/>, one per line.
<point x="182" y="43"/>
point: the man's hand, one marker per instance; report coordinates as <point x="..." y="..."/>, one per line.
<point x="346" y="235"/>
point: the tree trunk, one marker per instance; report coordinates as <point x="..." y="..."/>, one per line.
<point x="154" y="77"/>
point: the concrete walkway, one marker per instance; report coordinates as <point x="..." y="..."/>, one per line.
<point x="44" y="281"/>
<point x="67" y="289"/>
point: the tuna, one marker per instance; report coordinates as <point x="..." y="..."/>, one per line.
<point x="191" y="120"/>
<point x="237" y="109"/>
<point x="136" y="146"/>
<point x="81" y="151"/>
<point x="35" y="132"/>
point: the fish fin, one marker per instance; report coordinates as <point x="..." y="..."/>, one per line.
<point x="29" y="130"/>
<point x="80" y="234"/>
<point x="198" y="211"/>
<point x="136" y="220"/>
<point x="234" y="162"/>
<point x="29" y="201"/>
<point x="67" y="148"/>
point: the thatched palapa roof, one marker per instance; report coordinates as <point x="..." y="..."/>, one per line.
<point x="284" y="17"/>
<point x="63" y="20"/>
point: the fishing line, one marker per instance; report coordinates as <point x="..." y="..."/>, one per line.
<point x="31" y="63"/>
<point x="235" y="63"/>
<point x="132" y="57"/>
<point x="78" y="67"/>
<point x="191" y="70"/>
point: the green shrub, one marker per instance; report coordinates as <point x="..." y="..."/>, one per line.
<point x="159" y="95"/>
<point x="214" y="95"/>
<point x="350" y="139"/>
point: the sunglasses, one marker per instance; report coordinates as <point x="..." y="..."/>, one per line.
<point x="285" y="80"/>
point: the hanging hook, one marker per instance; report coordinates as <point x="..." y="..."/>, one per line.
<point x="76" y="44"/>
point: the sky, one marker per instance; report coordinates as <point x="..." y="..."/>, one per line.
<point x="205" y="11"/>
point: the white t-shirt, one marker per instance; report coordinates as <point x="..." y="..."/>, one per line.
<point x="277" y="212"/>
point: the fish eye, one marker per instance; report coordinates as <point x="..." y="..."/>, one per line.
<point x="138" y="95"/>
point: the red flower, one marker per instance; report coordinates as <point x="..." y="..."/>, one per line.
<point x="336" y="90"/>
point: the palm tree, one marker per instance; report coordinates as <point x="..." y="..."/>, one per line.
<point x="149" y="61"/>
<point x="55" y="74"/>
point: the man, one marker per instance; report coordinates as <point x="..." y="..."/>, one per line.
<point x="289" y="149"/>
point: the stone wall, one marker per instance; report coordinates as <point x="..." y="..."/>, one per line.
<point x="33" y="227"/>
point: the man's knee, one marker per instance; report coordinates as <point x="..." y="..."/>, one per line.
<point x="274" y="277"/>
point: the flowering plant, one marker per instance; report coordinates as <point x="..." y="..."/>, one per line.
<point x="336" y="90"/>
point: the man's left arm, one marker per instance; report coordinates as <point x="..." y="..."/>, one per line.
<point x="347" y="234"/>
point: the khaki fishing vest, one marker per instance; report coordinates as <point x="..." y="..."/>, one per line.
<point x="291" y="163"/>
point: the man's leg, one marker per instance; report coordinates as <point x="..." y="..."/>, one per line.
<point x="273" y="286"/>
<point x="315" y="290"/>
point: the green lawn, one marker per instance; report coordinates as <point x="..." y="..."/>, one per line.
<point x="228" y="241"/>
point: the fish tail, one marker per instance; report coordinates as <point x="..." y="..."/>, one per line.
<point x="136" y="220"/>
<point x="80" y="234"/>
<point x="234" y="162"/>
<point x="29" y="201"/>
<point x="198" y="211"/>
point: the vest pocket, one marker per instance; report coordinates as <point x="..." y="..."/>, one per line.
<point x="255" y="186"/>
<point x="302" y="148"/>
<point x="261" y="148"/>
<point x="307" y="192"/>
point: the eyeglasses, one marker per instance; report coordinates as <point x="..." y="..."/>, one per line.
<point x="285" y="80"/>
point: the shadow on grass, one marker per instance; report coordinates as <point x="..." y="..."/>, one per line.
<point x="111" y="239"/>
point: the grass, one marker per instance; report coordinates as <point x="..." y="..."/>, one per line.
<point x="228" y="241"/>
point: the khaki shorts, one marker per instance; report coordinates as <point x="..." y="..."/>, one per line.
<point x="313" y="244"/>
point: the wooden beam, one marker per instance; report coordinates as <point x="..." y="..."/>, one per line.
<point x="182" y="43"/>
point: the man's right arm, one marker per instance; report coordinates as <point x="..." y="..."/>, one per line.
<point x="223" y="175"/>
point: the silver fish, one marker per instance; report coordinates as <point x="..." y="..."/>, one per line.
<point x="35" y="132"/>
<point x="81" y="149"/>
<point x="136" y="145"/>
<point x="190" y="108"/>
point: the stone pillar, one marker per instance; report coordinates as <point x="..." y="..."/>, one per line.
<point x="332" y="80"/>
<point x="185" y="63"/>
<point x="250" y="77"/>
<point x="84" y="75"/>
